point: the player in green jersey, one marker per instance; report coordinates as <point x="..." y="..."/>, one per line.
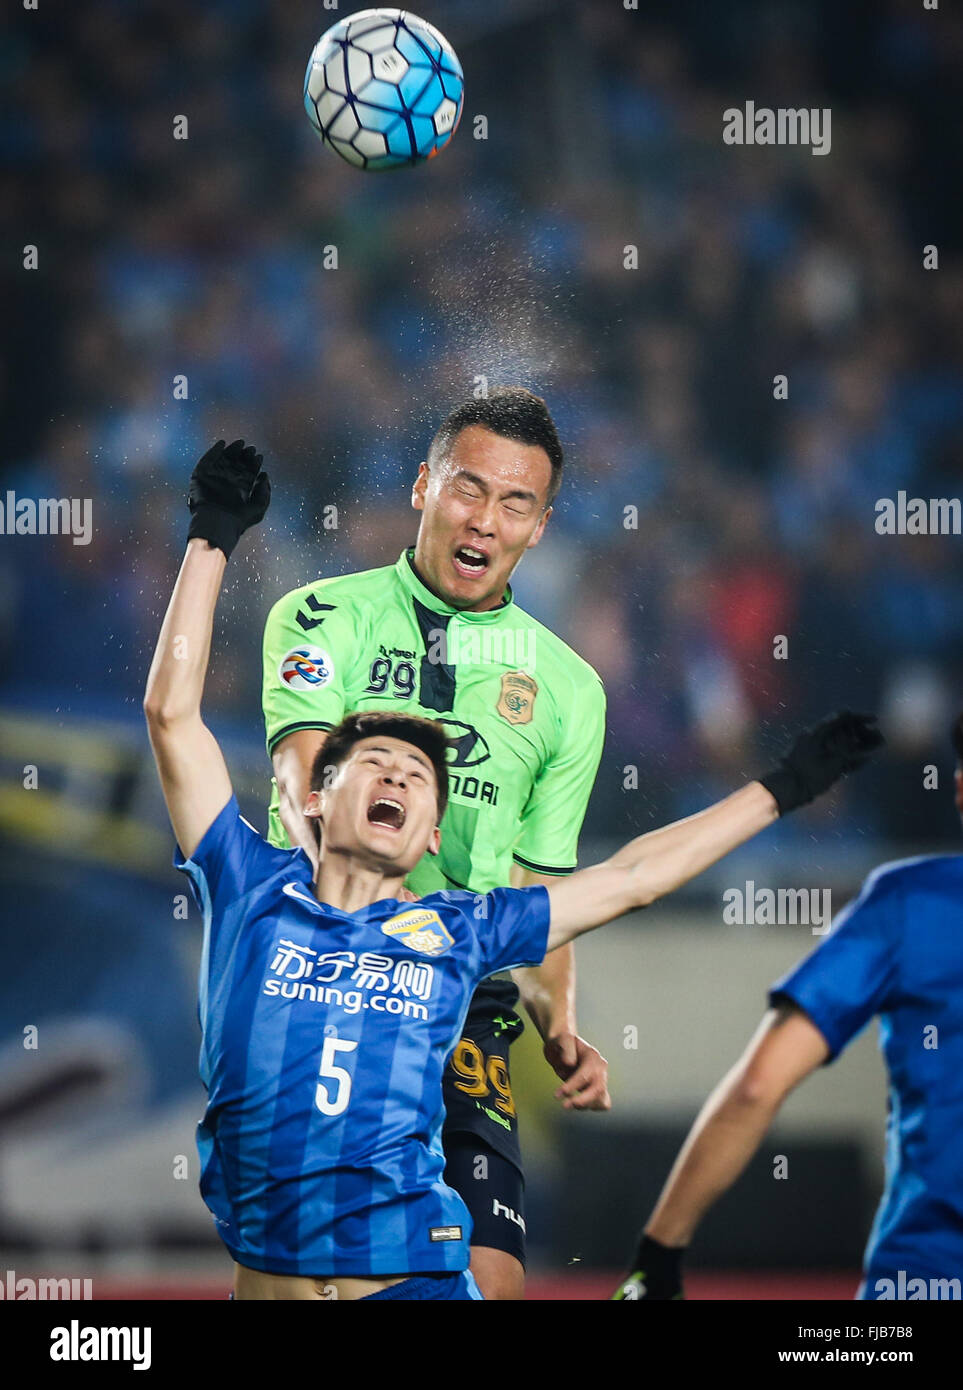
<point x="438" y="634"/>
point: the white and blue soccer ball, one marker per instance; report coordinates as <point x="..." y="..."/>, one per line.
<point x="384" y="89"/>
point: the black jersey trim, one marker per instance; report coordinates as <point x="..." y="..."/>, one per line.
<point x="542" y="868"/>
<point x="296" y="729"/>
<point x="437" y="690"/>
<point x="456" y="883"/>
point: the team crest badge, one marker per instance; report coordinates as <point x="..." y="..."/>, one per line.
<point x="516" y="703"/>
<point x="422" y="930"/>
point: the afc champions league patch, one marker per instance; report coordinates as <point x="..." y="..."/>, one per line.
<point x="516" y="703"/>
<point x="421" y="929"/>
<point x="305" y="668"/>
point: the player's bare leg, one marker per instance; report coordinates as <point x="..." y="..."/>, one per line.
<point x="499" y="1275"/>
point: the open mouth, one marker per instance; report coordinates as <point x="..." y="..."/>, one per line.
<point x="469" y="561"/>
<point x="386" y="812"/>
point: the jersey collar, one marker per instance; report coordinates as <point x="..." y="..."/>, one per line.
<point x="405" y="570"/>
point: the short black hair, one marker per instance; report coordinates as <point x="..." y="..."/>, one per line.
<point x="957" y="737"/>
<point x="425" y="734"/>
<point x="512" y="412"/>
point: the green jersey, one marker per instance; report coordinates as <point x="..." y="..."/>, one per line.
<point x="526" y="714"/>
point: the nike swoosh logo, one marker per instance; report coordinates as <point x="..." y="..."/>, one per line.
<point x="293" y="891"/>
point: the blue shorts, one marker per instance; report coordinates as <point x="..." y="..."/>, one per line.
<point x="459" y="1286"/>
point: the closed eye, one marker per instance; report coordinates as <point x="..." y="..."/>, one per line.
<point x="375" y="761"/>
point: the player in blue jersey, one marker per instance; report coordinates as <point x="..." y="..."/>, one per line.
<point x="896" y="952"/>
<point x="328" y="1006"/>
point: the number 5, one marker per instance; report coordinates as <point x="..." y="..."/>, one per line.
<point x="327" y="1069"/>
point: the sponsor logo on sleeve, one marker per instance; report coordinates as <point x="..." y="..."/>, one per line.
<point x="305" y="668"/>
<point x="420" y="929"/>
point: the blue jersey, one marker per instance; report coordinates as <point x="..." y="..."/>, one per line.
<point x="325" y="1035"/>
<point x="897" y="951"/>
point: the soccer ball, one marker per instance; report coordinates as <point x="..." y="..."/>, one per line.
<point x="384" y="89"/>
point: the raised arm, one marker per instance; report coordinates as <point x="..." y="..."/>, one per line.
<point x="228" y="493"/>
<point x="657" y="863"/>
<point x="191" y="767"/>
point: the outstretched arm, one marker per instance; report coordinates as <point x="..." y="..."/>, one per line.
<point x="228" y="494"/>
<point x="656" y="864"/>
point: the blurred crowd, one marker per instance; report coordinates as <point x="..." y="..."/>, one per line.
<point x="602" y="246"/>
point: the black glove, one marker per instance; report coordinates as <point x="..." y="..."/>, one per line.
<point x="656" y="1273"/>
<point x="229" y="492"/>
<point x="820" y="756"/>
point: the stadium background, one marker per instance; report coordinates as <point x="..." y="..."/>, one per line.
<point x="504" y="259"/>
